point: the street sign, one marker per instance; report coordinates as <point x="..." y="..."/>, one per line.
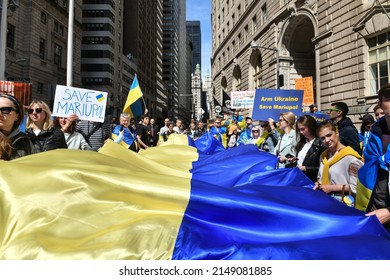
<point x="358" y="109"/>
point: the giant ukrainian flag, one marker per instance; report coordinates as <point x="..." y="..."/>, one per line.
<point x="133" y="104"/>
<point x="175" y="201"/>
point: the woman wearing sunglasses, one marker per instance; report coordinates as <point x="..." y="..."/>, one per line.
<point x="40" y="129"/>
<point x="13" y="142"/>
<point x="285" y="149"/>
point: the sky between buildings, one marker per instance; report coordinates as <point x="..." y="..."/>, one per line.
<point x="201" y="10"/>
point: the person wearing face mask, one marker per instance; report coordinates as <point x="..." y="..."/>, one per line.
<point x="13" y="142"/>
<point x="41" y="130"/>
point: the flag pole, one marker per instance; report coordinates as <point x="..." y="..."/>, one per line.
<point x="69" y="75"/>
<point x="3" y="38"/>
<point x="146" y="109"/>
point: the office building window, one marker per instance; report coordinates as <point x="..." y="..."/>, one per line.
<point x="42" y="48"/>
<point x="264" y="14"/>
<point x="57" y="55"/>
<point x="43" y="18"/>
<point x="379" y="60"/>
<point x="11" y="36"/>
<point x="237" y="78"/>
<point x="254" y="25"/>
<point x="257" y="81"/>
<point x="246" y="33"/>
<point x="40" y="88"/>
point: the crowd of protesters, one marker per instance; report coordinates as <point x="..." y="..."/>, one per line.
<point x="330" y="153"/>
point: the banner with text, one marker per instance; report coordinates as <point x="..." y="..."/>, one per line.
<point x="21" y="90"/>
<point x="318" y="117"/>
<point x="270" y="103"/>
<point x="88" y="104"/>
<point x="306" y="84"/>
<point x="242" y="99"/>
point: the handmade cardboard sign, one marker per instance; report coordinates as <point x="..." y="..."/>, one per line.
<point x="88" y="104"/>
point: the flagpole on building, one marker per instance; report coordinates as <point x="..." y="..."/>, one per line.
<point x="3" y="37"/>
<point x="69" y="74"/>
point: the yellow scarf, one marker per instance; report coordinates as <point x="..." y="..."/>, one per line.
<point x="262" y="138"/>
<point x="327" y="164"/>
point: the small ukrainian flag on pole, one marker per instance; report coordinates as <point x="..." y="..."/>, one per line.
<point x="100" y="97"/>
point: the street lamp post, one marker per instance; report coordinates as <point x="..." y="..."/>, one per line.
<point x="3" y="31"/>
<point x="3" y="37"/>
<point x="254" y="45"/>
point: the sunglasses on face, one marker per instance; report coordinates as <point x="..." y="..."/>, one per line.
<point x="37" y="111"/>
<point x="255" y="131"/>
<point x="333" y="110"/>
<point x="6" y="110"/>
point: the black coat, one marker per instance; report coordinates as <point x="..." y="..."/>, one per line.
<point x="21" y="144"/>
<point x="47" y="140"/>
<point x="349" y="136"/>
<point x="312" y="159"/>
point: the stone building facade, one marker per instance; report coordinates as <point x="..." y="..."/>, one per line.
<point x="342" y="44"/>
<point x="36" y="47"/>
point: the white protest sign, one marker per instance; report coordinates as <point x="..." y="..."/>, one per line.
<point x="242" y="99"/>
<point x="88" y="104"/>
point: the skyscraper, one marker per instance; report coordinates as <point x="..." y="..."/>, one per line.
<point x="142" y="43"/>
<point x="194" y="31"/>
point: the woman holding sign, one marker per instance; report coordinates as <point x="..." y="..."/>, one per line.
<point x="74" y="140"/>
<point x="40" y="128"/>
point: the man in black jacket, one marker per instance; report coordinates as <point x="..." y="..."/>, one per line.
<point x="349" y="135"/>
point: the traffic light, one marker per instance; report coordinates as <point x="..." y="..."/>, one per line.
<point x="281" y="80"/>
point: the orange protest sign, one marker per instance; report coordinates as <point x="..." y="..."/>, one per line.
<point x="306" y="84"/>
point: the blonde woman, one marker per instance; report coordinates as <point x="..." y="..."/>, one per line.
<point x="339" y="165"/>
<point x="285" y="148"/>
<point x="40" y="128"/>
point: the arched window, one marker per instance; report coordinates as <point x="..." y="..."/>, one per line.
<point x="379" y="61"/>
<point x="256" y="68"/>
<point x="237" y="79"/>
